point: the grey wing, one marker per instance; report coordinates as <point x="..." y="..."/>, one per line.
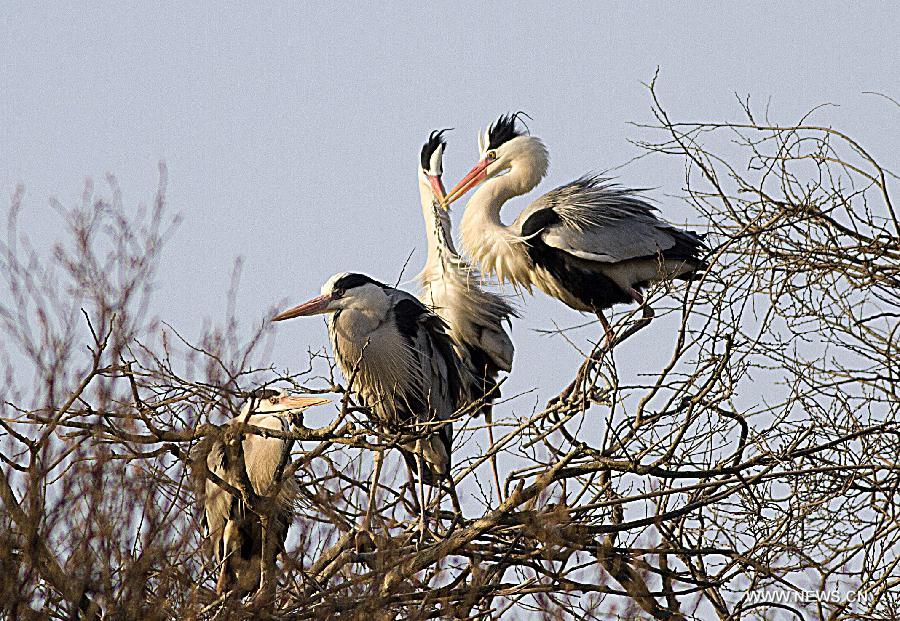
<point x="445" y="385"/>
<point x="593" y="219"/>
<point x="216" y="501"/>
<point x="441" y="366"/>
<point x="611" y="243"/>
<point x="481" y="322"/>
<point x="499" y="347"/>
<point x="435" y="359"/>
<point x="494" y="340"/>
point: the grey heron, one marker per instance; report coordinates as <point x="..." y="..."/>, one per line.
<point x="477" y="319"/>
<point x="405" y="366"/>
<point x="234" y="530"/>
<point x="589" y="243"/>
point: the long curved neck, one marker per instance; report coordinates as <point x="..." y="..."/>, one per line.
<point x="484" y="237"/>
<point x="437" y="229"/>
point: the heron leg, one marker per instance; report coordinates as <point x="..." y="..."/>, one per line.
<point x="225" y="578"/>
<point x="607" y="330"/>
<point x="647" y="313"/>
<point x="268" y="525"/>
<point x="451" y="488"/>
<point x="373" y="489"/>
<point x="609" y="342"/>
<point x="489" y="421"/>
<point x="581" y="377"/>
<point x="435" y="501"/>
<point x="422" y="502"/>
<point x="635" y="295"/>
<point x="457" y="509"/>
<point x="411" y="486"/>
<point x="584" y="370"/>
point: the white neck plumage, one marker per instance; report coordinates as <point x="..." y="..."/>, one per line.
<point x="365" y="311"/>
<point x="498" y="248"/>
<point x="438" y="233"/>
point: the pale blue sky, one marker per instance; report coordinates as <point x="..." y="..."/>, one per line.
<point x="291" y="134"/>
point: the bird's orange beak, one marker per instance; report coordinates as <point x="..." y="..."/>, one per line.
<point x="437" y="187"/>
<point x="314" y="306"/>
<point x="300" y="403"/>
<point x="473" y="178"/>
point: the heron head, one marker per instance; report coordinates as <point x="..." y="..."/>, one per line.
<point x="431" y="163"/>
<point x="341" y="292"/>
<point x="267" y="400"/>
<point x="504" y="144"/>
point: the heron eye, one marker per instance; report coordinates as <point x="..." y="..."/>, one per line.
<point x="492" y="155"/>
<point x="337" y="293"/>
<point x="273" y="400"/>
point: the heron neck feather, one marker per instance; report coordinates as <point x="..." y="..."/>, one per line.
<point x="364" y="315"/>
<point x="496" y="247"/>
<point x="438" y="234"/>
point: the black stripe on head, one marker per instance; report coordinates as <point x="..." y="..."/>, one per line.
<point x="261" y="394"/>
<point x="435" y="140"/>
<point x="504" y="129"/>
<point x="352" y="281"/>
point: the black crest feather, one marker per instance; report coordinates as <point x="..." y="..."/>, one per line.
<point x="263" y="393"/>
<point x="435" y="140"/>
<point x="504" y="129"/>
<point x="351" y="281"/>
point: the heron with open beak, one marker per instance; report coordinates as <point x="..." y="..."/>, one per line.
<point x="478" y="320"/>
<point x="589" y="243"/>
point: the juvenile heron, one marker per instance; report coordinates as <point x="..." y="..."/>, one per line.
<point x="234" y="530"/>
<point x="477" y="319"/>
<point x="405" y="367"/>
<point x="589" y="243"/>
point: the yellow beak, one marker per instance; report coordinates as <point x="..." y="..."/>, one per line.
<point x="301" y="403"/>
<point x="473" y="178"/>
